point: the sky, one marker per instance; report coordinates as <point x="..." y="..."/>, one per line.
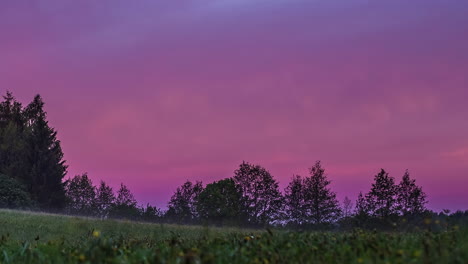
<point x="154" y="93"/>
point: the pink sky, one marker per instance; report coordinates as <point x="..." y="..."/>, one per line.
<point x="152" y="93"/>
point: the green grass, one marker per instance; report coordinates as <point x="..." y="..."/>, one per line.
<point x="43" y="238"/>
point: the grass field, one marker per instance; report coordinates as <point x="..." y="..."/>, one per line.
<point x="42" y="238"/>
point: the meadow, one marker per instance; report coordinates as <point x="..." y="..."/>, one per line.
<point x="44" y="238"/>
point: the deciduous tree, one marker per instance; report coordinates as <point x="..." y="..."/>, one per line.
<point x="262" y="200"/>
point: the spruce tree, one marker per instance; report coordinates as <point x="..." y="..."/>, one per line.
<point x="45" y="158"/>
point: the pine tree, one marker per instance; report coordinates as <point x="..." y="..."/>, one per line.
<point x="262" y="200"/>
<point x="13" y="132"/>
<point x="321" y="205"/>
<point x="411" y="198"/>
<point x="45" y="157"/>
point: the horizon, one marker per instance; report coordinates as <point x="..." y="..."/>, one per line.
<point x="153" y="94"/>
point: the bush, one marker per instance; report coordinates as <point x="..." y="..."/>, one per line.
<point x="13" y="195"/>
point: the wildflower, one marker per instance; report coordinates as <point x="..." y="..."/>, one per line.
<point x="360" y="260"/>
<point x="400" y="252"/>
<point x="82" y="257"/>
<point x="96" y="233"/>
<point x="247" y="238"/>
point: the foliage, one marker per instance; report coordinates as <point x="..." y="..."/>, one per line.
<point x="220" y="203"/>
<point x="182" y="208"/>
<point x="309" y="200"/>
<point x="30" y="151"/>
<point x="81" y="196"/>
<point x="321" y="205"/>
<point x="13" y="194"/>
<point x="125" y="205"/>
<point x="105" y="199"/>
<point x="410" y="197"/>
<point x="381" y="199"/>
<point x="294" y="201"/>
<point x="262" y="200"/>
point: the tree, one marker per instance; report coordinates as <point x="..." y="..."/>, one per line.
<point x="294" y="201"/>
<point x="321" y="205"/>
<point x="150" y="213"/>
<point x="13" y="133"/>
<point x="220" y="203"/>
<point x="13" y="195"/>
<point x="381" y="200"/>
<point x="45" y="157"/>
<point x="361" y="209"/>
<point x="410" y="197"/>
<point x="182" y="207"/>
<point x="347" y="207"/>
<point x="262" y="200"/>
<point x="105" y="199"/>
<point x="125" y="204"/>
<point x="81" y="195"/>
<point x="30" y="151"/>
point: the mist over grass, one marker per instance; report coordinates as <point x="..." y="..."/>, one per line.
<point x="27" y="237"/>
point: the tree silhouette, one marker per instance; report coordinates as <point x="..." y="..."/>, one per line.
<point x="220" y="203"/>
<point x="125" y="205"/>
<point x="381" y="200"/>
<point x="182" y="207"/>
<point x="45" y="158"/>
<point x="262" y="200"/>
<point x="81" y="195"/>
<point x="321" y="205"/>
<point x="13" y="195"/>
<point x="347" y="207"/>
<point x="294" y="202"/>
<point x="410" y="197"/>
<point x="105" y="199"/>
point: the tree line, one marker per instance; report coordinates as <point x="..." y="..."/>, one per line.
<point x="32" y="176"/>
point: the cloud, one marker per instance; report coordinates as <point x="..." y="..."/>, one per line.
<point x="460" y="154"/>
